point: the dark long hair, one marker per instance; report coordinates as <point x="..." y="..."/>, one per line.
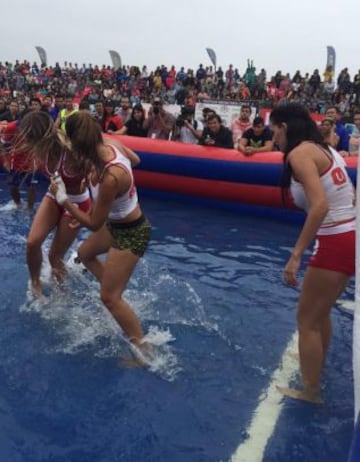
<point x="300" y="127"/>
<point x="138" y="108"/>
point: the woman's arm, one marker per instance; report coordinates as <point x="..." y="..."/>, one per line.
<point x="129" y="153"/>
<point x="306" y="172"/>
<point x="116" y="181"/>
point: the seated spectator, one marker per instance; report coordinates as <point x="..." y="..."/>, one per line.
<point x="47" y="104"/>
<point x="125" y="111"/>
<point x="135" y="125"/>
<point x="59" y="104"/>
<point x="110" y="122"/>
<point x="66" y="112"/>
<point x="242" y="123"/>
<point x="216" y="134"/>
<point x="354" y="142"/>
<point x="205" y="113"/>
<point x="187" y="128"/>
<point x="159" y="122"/>
<point x="327" y="130"/>
<point x="333" y="112"/>
<point x="35" y="104"/>
<point x="256" y="139"/>
<point x="13" y="112"/>
<point x="99" y="111"/>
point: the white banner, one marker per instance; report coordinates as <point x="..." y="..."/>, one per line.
<point x="225" y="109"/>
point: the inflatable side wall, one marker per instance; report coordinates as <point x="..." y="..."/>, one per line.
<point x="224" y="177"/>
<point x="218" y="175"/>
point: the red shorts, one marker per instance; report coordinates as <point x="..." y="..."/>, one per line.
<point x="84" y="205"/>
<point x="335" y="252"/>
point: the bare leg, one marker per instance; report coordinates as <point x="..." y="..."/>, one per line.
<point x="61" y="243"/>
<point x="320" y="290"/>
<point x="15" y="194"/>
<point x="96" y="244"/>
<point x="325" y="332"/>
<point x="113" y="276"/>
<point x="31" y="195"/>
<point x="44" y="221"/>
<point x="118" y="268"/>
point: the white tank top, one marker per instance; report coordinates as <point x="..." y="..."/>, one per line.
<point x="94" y="190"/>
<point x="127" y="202"/>
<point x="340" y="194"/>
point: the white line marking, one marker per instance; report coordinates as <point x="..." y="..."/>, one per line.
<point x="269" y="408"/>
<point x="347" y="305"/>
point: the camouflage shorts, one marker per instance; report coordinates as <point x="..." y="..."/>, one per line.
<point x="134" y="236"/>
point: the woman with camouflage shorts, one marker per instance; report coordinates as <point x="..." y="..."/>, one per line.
<point x="120" y="228"/>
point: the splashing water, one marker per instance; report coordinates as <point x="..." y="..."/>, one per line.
<point x="82" y="324"/>
<point x="9" y="206"/>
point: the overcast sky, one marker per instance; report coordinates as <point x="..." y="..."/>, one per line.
<point x="277" y="34"/>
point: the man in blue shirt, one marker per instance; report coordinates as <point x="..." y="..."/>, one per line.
<point x="333" y="113"/>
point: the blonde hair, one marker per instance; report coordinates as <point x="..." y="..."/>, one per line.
<point x="39" y="134"/>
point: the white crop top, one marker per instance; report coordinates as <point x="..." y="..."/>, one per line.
<point x="126" y="203"/>
<point x="339" y="191"/>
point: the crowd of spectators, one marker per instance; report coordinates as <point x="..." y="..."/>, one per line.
<point x="116" y="97"/>
<point x="22" y="80"/>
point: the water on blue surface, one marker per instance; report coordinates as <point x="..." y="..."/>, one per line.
<point x="210" y="296"/>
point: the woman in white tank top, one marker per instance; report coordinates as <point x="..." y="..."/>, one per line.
<point x="119" y="228"/>
<point x="316" y="176"/>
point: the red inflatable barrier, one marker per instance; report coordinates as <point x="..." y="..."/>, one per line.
<point x="222" y="175"/>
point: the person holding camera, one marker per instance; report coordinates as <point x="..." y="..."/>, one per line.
<point x="187" y="128"/>
<point x="159" y="122"/>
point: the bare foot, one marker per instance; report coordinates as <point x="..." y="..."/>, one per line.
<point x="36" y="290"/>
<point x="143" y="351"/>
<point x="142" y="356"/>
<point x="310" y="395"/>
<point x="36" y="294"/>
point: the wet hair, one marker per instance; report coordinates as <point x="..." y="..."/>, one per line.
<point x="300" y="127"/>
<point x="85" y="135"/>
<point x="38" y="133"/>
<point x="24" y="112"/>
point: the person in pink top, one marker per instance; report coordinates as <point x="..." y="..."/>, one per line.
<point x="241" y="124"/>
